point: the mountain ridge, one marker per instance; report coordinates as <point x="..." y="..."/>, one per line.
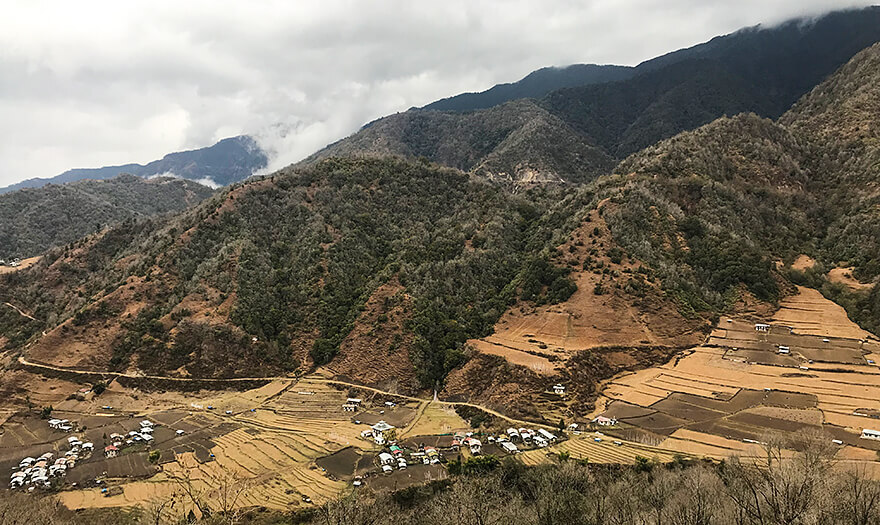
<point x="228" y="160"/>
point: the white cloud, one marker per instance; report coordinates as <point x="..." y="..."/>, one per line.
<point x="100" y="83"/>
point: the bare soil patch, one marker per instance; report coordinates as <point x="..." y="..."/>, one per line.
<point x="24" y="263"/>
<point x="803" y="262"/>
<point x="844" y="276"/>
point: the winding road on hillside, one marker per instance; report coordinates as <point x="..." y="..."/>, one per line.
<point x="20" y="311"/>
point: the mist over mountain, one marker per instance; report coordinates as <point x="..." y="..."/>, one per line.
<point x="229" y="160"/>
<point x="760" y="70"/>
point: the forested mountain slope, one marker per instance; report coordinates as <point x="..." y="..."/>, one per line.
<point x="34" y="220"/>
<point x="515" y="141"/>
<point x="534" y="85"/>
<point x="291" y="259"/>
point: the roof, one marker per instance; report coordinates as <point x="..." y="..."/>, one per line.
<point x="110" y="448"/>
<point x="381" y="426"/>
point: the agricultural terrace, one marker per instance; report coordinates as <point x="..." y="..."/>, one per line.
<point x="725" y="397"/>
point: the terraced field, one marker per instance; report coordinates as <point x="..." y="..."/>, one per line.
<point x="739" y="388"/>
<point x="584" y="447"/>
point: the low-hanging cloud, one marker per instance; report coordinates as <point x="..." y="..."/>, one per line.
<point x="102" y="83"/>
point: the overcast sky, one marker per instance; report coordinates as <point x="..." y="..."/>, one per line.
<point x="87" y="84"/>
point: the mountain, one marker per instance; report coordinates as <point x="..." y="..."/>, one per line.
<point x="33" y="220"/>
<point x="414" y="276"/>
<point x="230" y="160"/>
<point x="535" y="85"/>
<point x="514" y="141"/>
<point x="760" y="70"/>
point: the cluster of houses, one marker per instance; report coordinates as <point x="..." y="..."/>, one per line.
<point x="540" y="438"/>
<point x="396" y="457"/>
<point x="36" y="472"/>
<point x="142" y="435"/>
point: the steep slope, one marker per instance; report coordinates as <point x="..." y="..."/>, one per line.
<point x="760" y="70"/>
<point x="516" y="141"/>
<point x="534" y="85"/>
<point x="230" y="160"/>
<point x="34" y="220"/>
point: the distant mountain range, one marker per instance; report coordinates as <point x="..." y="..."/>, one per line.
<point x="230" y="160"/>
<point x="617" y="111"/>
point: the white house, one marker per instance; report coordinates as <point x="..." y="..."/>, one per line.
<point x="603" y="421"/>
<point x="509" y="447"/>
<point x="381" y="432"/>
<point x="870" y="434"/>
<point x="761" y="327"/>
<point x="559" y="389"/>
<point x="513" y="434"/>
<point x="784" y="350"/>
<point x="546" y="435"/>
<point x="386" y="458"/>
<point x="475" y="446"/>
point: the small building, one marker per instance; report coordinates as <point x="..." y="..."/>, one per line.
<point x="401" y="463"/>
<point x="784" y="350"/>
<point x="761" y="327"/>
<point x="110" y="451"/>
<point x="546" y="435"/>
<point x="475" y="446"/>
<point x="603" y="421"/>
<point x="513" y="434"/>
<point x="382" y="432"/>
<point x="559" y="389"/>
<point x="145" y="424"/>
<point x="353" y="401"/>
<point x="386" y="458"/>
<point x="870" y="434"/>
<point x="387" y="469"/>
<point x="349" y="407"/>
<point x="509" y="447"/>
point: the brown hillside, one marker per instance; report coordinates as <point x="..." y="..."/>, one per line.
<point x="630" y="310"/>
<point x="376" y="352"/>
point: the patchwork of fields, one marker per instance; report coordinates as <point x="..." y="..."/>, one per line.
<point x="816" y="372"/>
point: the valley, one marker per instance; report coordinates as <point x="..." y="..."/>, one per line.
<point x="649" y="290"/>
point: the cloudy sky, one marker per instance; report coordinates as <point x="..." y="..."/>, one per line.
<point x="86" y="84"/>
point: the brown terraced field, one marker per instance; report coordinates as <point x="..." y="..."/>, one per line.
<point x="719" y="398"/>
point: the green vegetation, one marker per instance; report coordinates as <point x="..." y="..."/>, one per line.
<point x="34" y="220"/>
